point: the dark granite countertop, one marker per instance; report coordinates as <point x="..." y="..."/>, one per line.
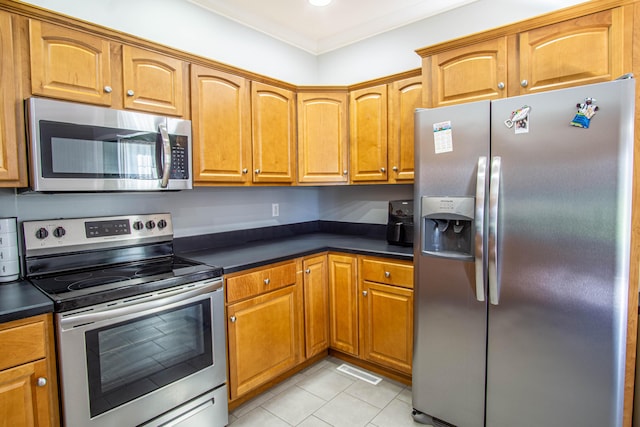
<point x="21" y="299"/>
<point x="259" y="253"/>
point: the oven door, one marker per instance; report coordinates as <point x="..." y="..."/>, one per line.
<point x="75" y="147"/>
<point x="128" y="361"/>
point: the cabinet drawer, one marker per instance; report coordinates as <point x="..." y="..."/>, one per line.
<point x="22" y="343"/>
<point x="388" y="272"/>
<point x="256" y="282"/>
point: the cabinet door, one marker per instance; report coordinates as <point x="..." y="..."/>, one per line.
<point x="263" y="339"/>
<point x="25" y="403"/>
<point x="368" y="138"/>
<point x="404" y="97"/>
<point x="273" y="126"/>
<point x="470" y="73"/>
<point x="316" y="305"/>
<point x="153" y="82"/>
<point x="68" y="64"/>
<point x="221" y="123"/>
<point x="322" y="138"/>
<point x="386" y="322"/>
<point x="343" y="303"/>
<point x="12" y="155"/>
<point x="580" y="51"/>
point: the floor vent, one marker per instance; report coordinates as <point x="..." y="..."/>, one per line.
<point x="362" y="375"/>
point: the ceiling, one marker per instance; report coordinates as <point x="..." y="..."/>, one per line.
<point x="322" y="29"/>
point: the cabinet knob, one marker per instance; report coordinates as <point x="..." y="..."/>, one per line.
<point x="387" y="274"/>
<point x="267" y="281"/>
<point x="395" y="169"/>
<point x="501" y="85"/>
<point x="130" y="92"/>
<point x="365" y="293"/>
<point x="308" y="271"/>
<point x="245" y="170"/>
<point x="257" y="171"/>
<point x="383" y="170"/>
<point x="524" y="83"/>
<point x="107" y="89"/>
<point x="41" y="382"/>
<point x="232" y="319"/>
<point x="345" y="172"/>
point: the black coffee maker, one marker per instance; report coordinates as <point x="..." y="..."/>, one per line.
<point x="400" y="223"/>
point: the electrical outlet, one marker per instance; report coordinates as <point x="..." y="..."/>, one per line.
<point x="275" y="209"/>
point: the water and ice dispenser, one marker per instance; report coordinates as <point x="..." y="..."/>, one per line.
<point x="447" y="226"/>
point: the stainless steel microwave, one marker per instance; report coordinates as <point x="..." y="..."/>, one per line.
<point x="78" y="147"/>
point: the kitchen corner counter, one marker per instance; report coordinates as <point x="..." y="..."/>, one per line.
<point x="20" y="299"/>
<point x="256" y="254"/>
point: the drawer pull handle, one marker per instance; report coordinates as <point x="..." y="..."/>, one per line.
<point x="41" y="382"/>
<point x="233" y="319"/>
<point x="387" y="274"/>
<point x="267" y="281"/>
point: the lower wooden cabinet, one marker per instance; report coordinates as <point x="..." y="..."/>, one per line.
<point x="265" y="327"/>
<point x="371" y="308"/>
<point x="316" y="304"/>
<point x="28" y="381"/>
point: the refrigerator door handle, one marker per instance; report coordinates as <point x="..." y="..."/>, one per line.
<point x="494" y="194"/>
<point x="479" y="226"/>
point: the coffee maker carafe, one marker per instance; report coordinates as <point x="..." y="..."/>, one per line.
<point x="400" y="223"/>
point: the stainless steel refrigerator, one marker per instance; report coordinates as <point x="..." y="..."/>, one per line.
<point x="523" y="207"/>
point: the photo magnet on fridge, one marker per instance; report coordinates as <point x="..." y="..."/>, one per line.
<point x="519" y="118"/>
<point x="586" y="111"/>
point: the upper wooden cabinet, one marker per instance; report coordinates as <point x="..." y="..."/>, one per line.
<point x="368" y="134"/>
<point x="381" y="125"/>
<point x="322" y="137"/>
<point x="404" y="97"/>
<point x="221" y="126"/>
<point x="69" y="64"/>
<point x="587" y="49"/>
<point x="153" y="82"/>
<point x="273" y="121"/>
<point x="76" y="66"/>
<point x="13" y="167"/>
<point x="470" y="73"/>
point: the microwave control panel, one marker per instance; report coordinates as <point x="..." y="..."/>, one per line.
<point x="179" y="158"/>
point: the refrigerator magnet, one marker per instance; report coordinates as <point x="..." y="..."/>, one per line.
<point x="442" y="138"/>
<point x="519" y="119"/>
<point x="586" y="111"/>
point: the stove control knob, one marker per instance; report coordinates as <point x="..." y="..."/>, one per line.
<point x="42" y="233"/>
<point x="150" y="224"/>
<point x="138" y="225"/>
<point x="162" y="224"/>
<point x="59" y="232"/>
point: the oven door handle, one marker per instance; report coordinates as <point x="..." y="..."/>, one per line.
<point x="115" y="311"/>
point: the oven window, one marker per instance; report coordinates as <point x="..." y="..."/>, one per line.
<point x="130" y="359"/>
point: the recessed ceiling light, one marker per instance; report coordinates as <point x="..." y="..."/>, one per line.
<point x="319" y="2"/>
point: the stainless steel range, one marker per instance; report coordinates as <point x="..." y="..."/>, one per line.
<point x="140" y="331"/>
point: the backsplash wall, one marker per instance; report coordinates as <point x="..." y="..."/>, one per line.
<point x="217" y="209"/>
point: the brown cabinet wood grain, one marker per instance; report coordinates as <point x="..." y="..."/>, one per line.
<point x="343" y="303"/>
<point x="323" y="144"/>
<point x="28" y="379"/>
<point x="273" y="121"/>
<point x="221" y="123"/>
<point x="404" y="97"/>
<point x="13" y="167"/>
<point x="316" y="304"/>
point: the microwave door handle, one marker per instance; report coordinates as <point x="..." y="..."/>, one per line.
<point x="166" y="155"/>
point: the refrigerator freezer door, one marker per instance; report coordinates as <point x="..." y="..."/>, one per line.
<point x="450" y="323"/>
<point x="556" y="340"/>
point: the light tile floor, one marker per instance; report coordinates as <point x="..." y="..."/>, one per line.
<point x="322" y="396"/>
